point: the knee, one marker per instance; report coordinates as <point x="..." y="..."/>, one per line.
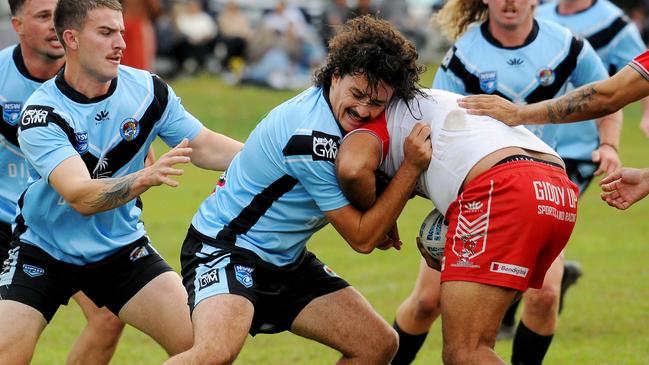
<point x="543" y="301"/>
<point x="380" y="347"/>
<point x="455" y="355"/>
<point x="208" y="356"/>
<point x="106" y="323"/>
<point x="427" y="307"/>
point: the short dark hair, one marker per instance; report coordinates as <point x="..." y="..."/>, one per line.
<point x="71" y="14"/>
<point x="15" y="6"/>
<point x="374" y="48"/>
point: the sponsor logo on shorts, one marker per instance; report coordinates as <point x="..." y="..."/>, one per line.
<point x="139" y="252"/>
<point x="329" y="272"/>
<point x="33" y="271"/>
<point x="509" y="269"/>
<point x="243" y="275"/>
<point x="208" y="278"/>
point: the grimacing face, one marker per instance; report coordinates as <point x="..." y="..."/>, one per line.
<point x="34" y="24"/>
<point x="100" y="44"/>
<point x="351" y="101"/>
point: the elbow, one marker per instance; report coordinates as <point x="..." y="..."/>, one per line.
<point x="81" y="207"/>
<point x="363" y="248"/>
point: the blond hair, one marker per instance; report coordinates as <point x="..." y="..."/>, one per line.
<point x="456" y="16"/>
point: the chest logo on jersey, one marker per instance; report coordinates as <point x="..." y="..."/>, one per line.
<point x="515" y="62"/>
<point x="325" y="146"/>
<point x="11" y="112"/>
<point x="545" y="76"/>
<point x="488" y="81"/>
<point x="129" y="129"/>
<point x="102" y="116"/>
<point x="82" y="142"/>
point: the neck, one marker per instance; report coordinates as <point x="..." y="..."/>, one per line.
<point x="573" y="6"/>
<point x="84" y="83"/>
<point x="511" y="37"/>
<point x="39" y="66"/>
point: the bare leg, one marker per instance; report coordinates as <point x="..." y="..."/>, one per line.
<point x="471" y="315"/>
<point x="98" y="341"/>
<point x="346" y="321"/>
<point x="19" y="335"/>
<point x="418" y="312"/>
<point x="221" y="325"/>
<point x="541" y="306"/>
<point x="160" y="310"/>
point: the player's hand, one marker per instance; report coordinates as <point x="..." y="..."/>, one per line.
<point x="159" y="173"/>
<point x="149" y="160"/>
<point x="493" y="106"/>
<point x="430" y="261"/>
<point x="417" y="147"/>
<point x="624" y="187"/>
<point x="607" y="158"/>
<point x="391" y="240"/>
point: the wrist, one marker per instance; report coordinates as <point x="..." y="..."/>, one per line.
<point x="609" y="145"/>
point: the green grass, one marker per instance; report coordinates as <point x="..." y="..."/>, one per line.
<point x="606" y="319"/>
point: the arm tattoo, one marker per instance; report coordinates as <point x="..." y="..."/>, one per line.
<point x="116" y="192"/>
<point x="576" y="102"/>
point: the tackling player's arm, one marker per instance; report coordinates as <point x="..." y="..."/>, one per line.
<point x="587" y="102"/>
<point x="357" y="160"/>
<point x="73" y="182"/>
<point x="213" y="151"/>
<point x="364" y="231"/>
<point x="606" y="155"/>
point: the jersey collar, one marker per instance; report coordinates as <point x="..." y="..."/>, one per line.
<point x="78" y="97"/>
<point x="484" y="29"/>
<point x="22" y="68"/>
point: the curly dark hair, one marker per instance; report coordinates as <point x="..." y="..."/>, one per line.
<point x="374" y="48"/>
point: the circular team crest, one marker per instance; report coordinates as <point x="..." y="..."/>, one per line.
<point x="545" y="76"/>
<point x="129" y="129"/>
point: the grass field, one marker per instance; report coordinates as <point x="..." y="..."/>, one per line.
<point x="606" y="319"/>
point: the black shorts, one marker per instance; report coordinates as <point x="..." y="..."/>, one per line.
<point x="5" y="241"/>
<point x="35" y="278"/>
<point x="580" y="172"/>
<point x="279" y="294"/>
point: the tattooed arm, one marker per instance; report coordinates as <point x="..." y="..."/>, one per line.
<point x="587" y="102"/>
<point x="89" y="196"/>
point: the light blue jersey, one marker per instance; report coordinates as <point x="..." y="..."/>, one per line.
<point x="545" y="66"/>
<point x="112" y="135"/>
<point x="16" y="85"/>
<point x="615" y="39"/>
<point x="278" y="186"/>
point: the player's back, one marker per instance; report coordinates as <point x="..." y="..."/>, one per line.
<point x="459" y="141"/>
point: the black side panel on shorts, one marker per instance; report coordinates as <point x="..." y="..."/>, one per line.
<point x="256" y="209"/>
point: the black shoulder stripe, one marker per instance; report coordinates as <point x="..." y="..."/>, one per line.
<point x="8" y="131"/>
<point x="471" y="81"/>
<point x="320" y="146"/>
<point x="606" y="35"/>
<point x="259" y="205"/>
<point x="561" y="74"/>
<point x="124" y="152"/>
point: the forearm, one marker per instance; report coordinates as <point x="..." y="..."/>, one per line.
<point x="214" y="151"/>
<point x="376" y="222"/>
<point x="584" y="103"/>
<point x="610" y="128"/>
<point x="99" y="195"/>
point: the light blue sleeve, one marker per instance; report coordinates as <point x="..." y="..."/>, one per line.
<point x="319" y="180"/>
<point x="177" y="123"/>
<point x="626" y="48"/>
<point x="445" y="79"/>
<point x="45" y="147"/>
<point x="589" y="67"/>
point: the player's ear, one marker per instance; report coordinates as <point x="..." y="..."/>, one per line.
<point x="70" y="39"/>
<point x="17" y="24"/>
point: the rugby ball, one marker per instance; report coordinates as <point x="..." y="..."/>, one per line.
<point x="432" y="234"/>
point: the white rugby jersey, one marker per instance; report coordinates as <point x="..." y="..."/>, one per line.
<point x="459" y="142"/>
